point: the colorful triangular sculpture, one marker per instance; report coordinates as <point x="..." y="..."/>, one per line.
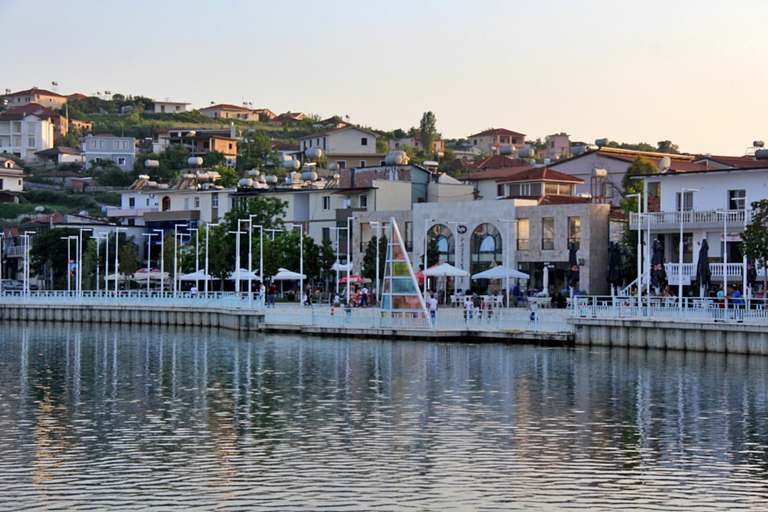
<point x="400" y="290"/>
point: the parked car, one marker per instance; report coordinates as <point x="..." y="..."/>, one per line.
<point x="10" y="285"/>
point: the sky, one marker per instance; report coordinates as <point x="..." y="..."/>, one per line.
<point x="692" y="72"/>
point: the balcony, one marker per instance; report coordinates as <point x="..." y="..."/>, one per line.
<point x="735" y="271"/>
<point x="129" y="212"/>
<point x="692" y="219"/>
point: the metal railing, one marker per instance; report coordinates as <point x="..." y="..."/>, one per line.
<point x="733" y="218"/>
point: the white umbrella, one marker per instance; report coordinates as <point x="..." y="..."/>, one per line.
<point x="445" y="270"/>
<point x="200" y="275"/>
<point x="338" y="267"/>
<point x="242" y="275"/>
<point x="287" y="275"/>
<point x="501" y="272"/>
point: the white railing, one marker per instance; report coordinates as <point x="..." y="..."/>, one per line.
<point x="732" y="218"/>
<point x="670" y="309"/>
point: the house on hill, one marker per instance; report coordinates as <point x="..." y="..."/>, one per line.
<point x="491" y="141"/>
<point x="26" y="130"/>
<point x="42" y="97"/>
<point x="347" y="147"/>
<point x="226" y="111"/>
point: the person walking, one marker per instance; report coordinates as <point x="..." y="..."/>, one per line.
<point x="364" y="297"/>
<point x="433" y="309"/>
<point x="271" y="292"/>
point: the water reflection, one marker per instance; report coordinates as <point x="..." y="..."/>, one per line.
<point x="121" y="417"/>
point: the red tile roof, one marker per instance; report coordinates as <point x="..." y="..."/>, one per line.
<point x="497" y="131"/>
<point x="491" y="174"/>
<point x="739" y="162"/>
<point x="36" y="90"/>
<point x="498" y="161"/>
<point x="540" y="174"/>
<point x="226" y="106"/>
<point x="34" y="109"/>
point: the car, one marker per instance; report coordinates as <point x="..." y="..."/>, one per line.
<point x="32" y="286"/>
<point x="9" y="285"/>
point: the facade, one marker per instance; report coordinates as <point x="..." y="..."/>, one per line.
<point x="121" y="150"/>
<point x="346" y="147"/>
<point x="61" y="155"/>
<point x="226" y="111"/>
<point x="24" y="135"/>
<point x="491" y="141"/>
<point x="558" y="146"/>
<point x="48" y="99"/>
<point x="11" y="181"/>
<point x="710" y="205"/>
<point x="200" y="142"/>
<point x="438" y="145"/>
<point x="170" y="107"/>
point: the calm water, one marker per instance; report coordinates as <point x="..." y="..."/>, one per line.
<point x="167" y="419"/>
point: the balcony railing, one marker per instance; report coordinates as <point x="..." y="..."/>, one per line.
<point x="129" y="212"/>
<point x="707" y="218"/>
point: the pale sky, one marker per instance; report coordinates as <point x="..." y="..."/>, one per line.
<point x="689" y="71"/>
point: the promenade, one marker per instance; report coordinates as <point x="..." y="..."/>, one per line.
<point x="696" y="324"/>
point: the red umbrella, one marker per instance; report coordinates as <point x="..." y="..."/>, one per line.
<point x="420" y="273"/>
<point x="355" y="279"/>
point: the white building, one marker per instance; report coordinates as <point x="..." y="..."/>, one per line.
<point x="347" y="147"/>
<point x="24" y="134"/>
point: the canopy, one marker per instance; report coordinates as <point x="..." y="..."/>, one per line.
<point x="287" y="275"/>
<point x="445" y="269"/>
<point x="355" y="279"/>
<point x="658" y="273"/>
<point x="242" y="275"/>
<point x="703" y="272"/>
<point x="338" y="267"/>
<point x="119" y="277"/>
<point x="573" y="266"/>
<point x="501" y="272"/>
<point x="200" y="275"/>
<point x="154" y="274"/>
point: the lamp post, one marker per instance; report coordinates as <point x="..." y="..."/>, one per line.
<point x="680" y="269"/>
<point x="117" y="263"/>
<point x="162" y="260"/>
<point x="197" y="266"/>
<point x="349" y="261"/>
<point x="426" y="244"/>
<point x="98" y="237"/>
<point x="69" y="259"/>
<point x="25" y="273"/>
<point x="250" y="253"/>
<point x="80" y="264"/>
<point x="337" y="229"/>
<point x="378" y="244"/>
<point x="176" y="257"/>
<point x="506" y="253"/>
<point x="207" y="275"/>
<point x="725" y="251"/>
<point x="301" y="260"/>
<point x="639" y="247"/>
<point x="149" y="253"/>
<point x="237" y="253"/>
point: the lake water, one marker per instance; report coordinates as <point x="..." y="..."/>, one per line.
<point x="123" y="417"/>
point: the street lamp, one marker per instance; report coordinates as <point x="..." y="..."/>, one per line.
<point x="639" y="247"/>
<point x="149" y="253"/>
<point x="301" y="260"/>
<point x="250" y="254"/>
<point x="207" y="275"/>
<point x="349" y="262"/>
<point x="176" y="257"/>
<point x="506" y="253"/>
<point x="162" y="261"/>
<point x="26" y="236"/>
<point x="237" y="253"/>
<point x="680" y="269"/>
<point x="117" y="263"/>
<point x="98" y="237"/>
<point x="80" y="264"/>
<point x="69" y="259"/>
<point x="337" y="229"/>
<point x="378" y="244"/>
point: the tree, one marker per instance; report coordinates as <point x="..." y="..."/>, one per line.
<point x="755" y="235"/>
<point x="428" y="129"/>
<point x="228" y="175"/>
<point x="255" y="151"/>
<point x="49" y="252"/>
<point x="640" y="166"/>
<point x="369" y="259"/>
<point x="666" y="146"/>
<point x="327" y="259"/>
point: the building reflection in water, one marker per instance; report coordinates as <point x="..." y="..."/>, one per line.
<point x="228" y="416"/>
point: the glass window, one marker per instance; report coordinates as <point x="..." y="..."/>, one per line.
<point x="547" y="233"/>
<point x="326" y="202"/>
<point x="197" y="202"/>
<point x="687" y="201"/>
<point x="485" y="248"/>
<point x="523" y="227"/>
<point x="574" y="231"/>
<point x="215" y="201"/>
<point x="364" y="141"/>
<point x="363" y="201"/>
<point x="131" y="202"/>
<point x="736" y="199"/>
<point x="446" y="243"/>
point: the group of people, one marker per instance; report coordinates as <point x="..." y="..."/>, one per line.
<point x="477" y="307"/>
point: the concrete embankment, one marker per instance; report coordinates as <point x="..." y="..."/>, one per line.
<point x="731" y="337"/>
<point x="255" y="320"/>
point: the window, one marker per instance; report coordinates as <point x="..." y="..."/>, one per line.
<point x="500" y="190"/>
<point x="362" y="163"/>
<point x="574" y="231"/>
<point x="446" y="242"/>
<point x="186" y="203"/>
<point x="31" y="141"/>
<point x="409" y="236"/>
<point x="474" y="142"/>
<point x="485" y="248"/>
<point x="326" y="233"/>
<point x="326" y="202"/>
<point x="116" y="144"/>
<point x="131" y="202"/>
<point x="547" y="233"/>
<point x="736" y="199"/>
<point x="363" y="201"/>
<point x="121" y="160"/>
<point x="342" y="164"/>
<point x="687" y="204"/>
<point x="166" y="204"/>
<point x="197" y="203"/>
<point x="364" y="141"/>
<point x="215" y="201"/>
<point x="93" y="144"/>
<point x="2" y="186"/>
<point x="102" y="144"/>
<point x="523" y="227"/>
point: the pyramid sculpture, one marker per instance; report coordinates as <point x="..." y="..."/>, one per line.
<point x="400" y="290"/>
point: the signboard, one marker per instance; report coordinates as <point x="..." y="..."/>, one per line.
<point x="731" y="237"/>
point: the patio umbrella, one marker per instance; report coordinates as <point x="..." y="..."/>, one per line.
<point x="658" y="274"/>
<point x="287" y="275"/>
<point x="445" y="270"/>
<point x="573" y="266"/>
<point x="237" y="275"/>
<point x="501" y="272"/>
<point x="751" y="273"/>
<point x="200" y="275"/>
<point x="703" y="273"/>
<point x="354" y="279"/>
<point x="614" y="272"/>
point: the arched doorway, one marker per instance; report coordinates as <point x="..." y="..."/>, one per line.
<point x="485" y="247"/>
<point x="446" y="243"/>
